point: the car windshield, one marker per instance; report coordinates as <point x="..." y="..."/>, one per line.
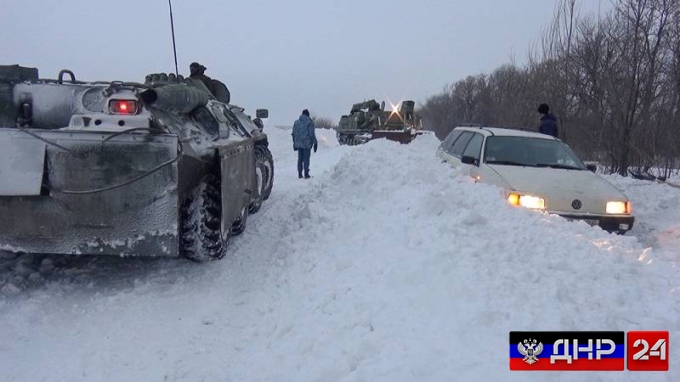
<point x="528" y="151"/>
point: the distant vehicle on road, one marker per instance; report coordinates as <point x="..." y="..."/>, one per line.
<point x="369" y="120"/>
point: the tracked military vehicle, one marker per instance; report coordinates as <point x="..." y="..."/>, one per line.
<point x="369" y="120"/>
<point x="160" y="168"/>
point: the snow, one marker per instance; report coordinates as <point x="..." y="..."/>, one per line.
<point x="657" y="214"/>
<point x="385" y="266"/>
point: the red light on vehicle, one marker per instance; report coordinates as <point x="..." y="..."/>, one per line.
<point x="118" y="106"/>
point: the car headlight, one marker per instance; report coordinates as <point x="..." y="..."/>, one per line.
<point x="527" y="201"/>
<point x="619" y="208"/>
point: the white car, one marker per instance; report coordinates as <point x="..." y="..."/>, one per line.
<point x="540" y="172"/>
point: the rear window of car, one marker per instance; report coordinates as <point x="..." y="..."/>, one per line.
<point x="448" y="141"/>
<point x="460" y="143"/>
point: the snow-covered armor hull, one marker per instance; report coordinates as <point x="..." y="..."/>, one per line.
<point x="154" y="169"/>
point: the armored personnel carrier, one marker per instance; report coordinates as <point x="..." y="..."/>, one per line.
<point x="369" y="120"/>
<point x="160" y="168"/>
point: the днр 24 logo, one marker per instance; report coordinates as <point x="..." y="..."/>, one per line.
<point x="602" y="351"/>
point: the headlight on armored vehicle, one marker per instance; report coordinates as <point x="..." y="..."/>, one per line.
<point x="123" y="106"/>
<point x="619" y="208"/>
<point x="527" y="201"/>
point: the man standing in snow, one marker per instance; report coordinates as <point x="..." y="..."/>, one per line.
<point x="304" y="139"/>
<point x="548" y="124"/>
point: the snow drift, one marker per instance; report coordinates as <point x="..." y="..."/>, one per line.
<point x="386" y="266"/>
<point x="658" y="216"/>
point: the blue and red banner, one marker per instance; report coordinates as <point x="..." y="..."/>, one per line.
<point x="594" y="351"/>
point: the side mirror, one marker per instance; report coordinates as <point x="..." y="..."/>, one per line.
<point x="592" y="167"/>
<point x="468" y="160"/>
<point x="262" y="113"/>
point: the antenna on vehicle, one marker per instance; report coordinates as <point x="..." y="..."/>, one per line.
<point x="174" y="47"/>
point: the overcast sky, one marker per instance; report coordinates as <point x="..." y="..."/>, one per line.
<point x="324" y="55"/>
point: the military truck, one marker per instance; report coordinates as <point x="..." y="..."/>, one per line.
<point x="160" y="168"/>
<point x="369" y="120"/>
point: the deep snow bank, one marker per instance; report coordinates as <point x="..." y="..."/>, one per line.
<point x="657" y="210"/>
<point x="400" y="265"/>
<point x="387" y="266"/>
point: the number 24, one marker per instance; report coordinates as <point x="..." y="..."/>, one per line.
<point x="659" y="349"/>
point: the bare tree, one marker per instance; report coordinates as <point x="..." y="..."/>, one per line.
<point x="557" y="59"/>
<point x="614" y="81"/>
<point x="324" y="122"/>
<point x="438" y="114"/>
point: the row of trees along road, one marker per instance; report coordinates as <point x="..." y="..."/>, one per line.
<point x="612" y="78"/>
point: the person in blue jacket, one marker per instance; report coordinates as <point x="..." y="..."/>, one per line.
<point x="304" y="140"/>
<point x="548" y="121"/>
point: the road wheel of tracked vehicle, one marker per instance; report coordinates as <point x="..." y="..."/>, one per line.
<point x="201" y="234"/>
<point x="264" y="172"/>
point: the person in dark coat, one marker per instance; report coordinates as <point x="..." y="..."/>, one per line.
<point x="304" y="140"/>
<point x="548" y="121"/>
<point x="197" y="72"/>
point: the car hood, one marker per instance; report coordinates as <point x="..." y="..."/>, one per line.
<point x="550" y="182"/>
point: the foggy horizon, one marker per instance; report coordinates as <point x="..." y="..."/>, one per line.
<point x="279" y="56"/>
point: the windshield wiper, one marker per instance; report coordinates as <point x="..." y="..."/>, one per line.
<point x="507" y="162"/>
<point x="558" y="165"/>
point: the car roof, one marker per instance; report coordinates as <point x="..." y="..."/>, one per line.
<point x="506" y="132"/>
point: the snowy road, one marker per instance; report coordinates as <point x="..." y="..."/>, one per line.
<point x="385" y="266"/>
